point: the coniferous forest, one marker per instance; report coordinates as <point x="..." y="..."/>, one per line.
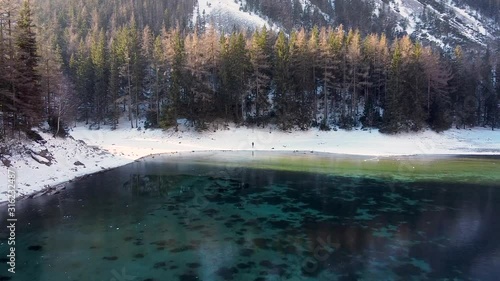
<point x="98" y="61"/>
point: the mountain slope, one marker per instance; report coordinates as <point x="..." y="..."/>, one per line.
<point x="442" y="23"/>
<point x="226" y="15"/>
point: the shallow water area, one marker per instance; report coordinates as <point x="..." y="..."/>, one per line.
<point x="267" y="216"/>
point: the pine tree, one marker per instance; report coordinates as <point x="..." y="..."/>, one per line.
<point x="83" y="78"/>
<point x="313" y="47"/>
<point x="176" y="56"/>
<point x="260" y="60"/>
<point x="51" y="74"/>
<point x="114" y="83"/>
<point x="137" y="68"/>
<point x="282" y="81"/>
<point x="438" y="77"/>
<point x="27" y="80"/>
<point x="497" y="84"/>
<point x="210" y="60"/>
<point x="367" y="82"/>
<point x="393" y="115"/>
<point x="99" y="68"/>
<point x="159" y="64"/>
<point x="353" y="60"/>
<point x="212" y="52"/>
<point x="327" y="69"/>
<point x="381" y="72"/>
<point x="458" y="89"/>
<point x="8" y="87"/>
<point x="301" y="67"/>
<point x="125" y="50"/>
<point x="224" y="76"/>
<point x="150" y="76"/>
<point x="8" y="94"/>
<point x="337" y="45"/>
<point x="488" y="94"/>
<point x="234" y="68"/>
<point x="413" y="99"/>
<point x="198" y="93"/>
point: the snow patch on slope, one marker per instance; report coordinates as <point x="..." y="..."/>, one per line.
<point x="411" y="11"/>
<point x="407" y="11"/>
<point x="307" y="3"/>
<point x="226" y="14"/>
<point x="40" y="165"/>
<point x="462" y="19"/>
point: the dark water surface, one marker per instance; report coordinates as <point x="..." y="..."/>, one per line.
<point x="180" y="219"/>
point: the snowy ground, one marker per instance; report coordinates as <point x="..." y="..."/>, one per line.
<point x="105" y="149"/>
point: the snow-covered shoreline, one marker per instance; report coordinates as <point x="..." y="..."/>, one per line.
<point x="93" y="151"/>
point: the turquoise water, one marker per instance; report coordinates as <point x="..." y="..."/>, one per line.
<point x="172" y="218"/>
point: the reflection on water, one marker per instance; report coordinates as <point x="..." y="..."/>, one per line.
<point x="159" y="220"/>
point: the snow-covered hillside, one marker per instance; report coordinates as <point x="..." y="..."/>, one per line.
<point x="227" y="14"/>
<point x="416" y="17"/>
<point x="442" y="22"/>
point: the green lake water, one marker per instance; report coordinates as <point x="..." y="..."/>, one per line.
<point x="266" y="216"/>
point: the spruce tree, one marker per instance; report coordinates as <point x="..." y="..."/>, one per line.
<point x="8" y="88"/>
<point x="98" y="56"/>
<point x="260" y="59"/>
<point x="488" y="91"/>
<point x="282" y="82"/>
<point x="176" y="56"/>
<point x="159" y="65"/>
<point x="241" y="65"/>
<point x="457" y="87"/>
<point x="114" y="84"/>
<point x="367" y="78"/>
<point x="393" y="115"/>
<point x="27" y="80"/>
<point x="313" y="47"/>
<point x="51" y="76"/>
<point x="147" y="52"/>
<point x="413" y="99"/>
<point x="353" y="60"/>
<point x="83" y="78"/>
<point x="438" y="76"/>
<point x="301" y="67"/>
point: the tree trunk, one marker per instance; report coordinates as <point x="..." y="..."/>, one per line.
<point x="428" y="95"/>
<point x="353" y="101"/>
<point x="58" y="124"/>
<point x="157" y="98"/>
<point x="136" y="106"/>
<point x="257" y="94"/>
<point x="325" y="89"/>
<point x="315" y="98"/>
<point x="48" y="89"/>
<point x="98" y="105"/>
<point x="129" y="97"/>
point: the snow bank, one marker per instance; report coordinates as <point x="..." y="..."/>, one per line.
<point x="133" y="144"/>
<point x="105" y="149"/>
<point x="40" y="166"/>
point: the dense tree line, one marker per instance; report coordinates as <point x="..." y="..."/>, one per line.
<point x="319" y="77"/>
